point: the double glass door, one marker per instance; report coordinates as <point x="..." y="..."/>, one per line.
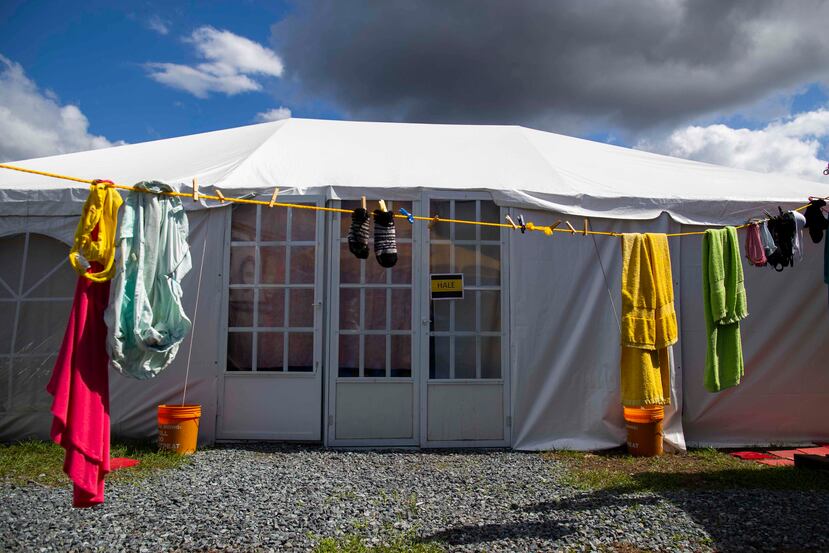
<point x="407" y="370"/>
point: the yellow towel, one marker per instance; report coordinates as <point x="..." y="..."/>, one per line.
<point x="648" y="320"/>
<point x="101" y="210"/>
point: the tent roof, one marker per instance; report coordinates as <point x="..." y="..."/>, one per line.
<point x="521" y="167"/>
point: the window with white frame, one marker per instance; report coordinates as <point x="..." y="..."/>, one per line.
<point x="271" y="297"/>
<point x="375" y="306"/>
<point x="36" y="291"/>
<point x="465" y="337"/>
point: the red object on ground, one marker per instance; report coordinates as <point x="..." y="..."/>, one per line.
<point x="785" y="453"/>
<point x="80" y="386"/>
<point x="823" y="450"/>
<point x="751" y="455"/>
<point x="777" y="462"/>
<point x="122" y="462"/>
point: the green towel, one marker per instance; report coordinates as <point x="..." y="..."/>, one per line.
<point x="724" y="298"/>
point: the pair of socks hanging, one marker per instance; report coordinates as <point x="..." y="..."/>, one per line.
<point x="385" y="242"/>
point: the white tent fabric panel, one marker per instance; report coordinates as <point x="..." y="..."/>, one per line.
<point x="784" y="396"/>
<point x="338" y="159"/>
<point x="565" y="342"/>
<point x="133" y="402"/>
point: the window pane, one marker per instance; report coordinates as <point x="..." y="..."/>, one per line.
<point x="375" y="356"/>
<point x="490" y="357"/>
<point x="348" y="356"/>
<point x="301" y="307"/>
<point x="269" y="353"/>
<point x="302" y="264"/>
<point x="29" y="378"/>
<point x="490" y="310"/>
<point x="349" y="308"/>
<point x="401" y="356"/>
<point x="7" y="313"/>
<point x="300" y="352"/>
<point x="440" y="314"/>
<point x="490" y="265"/>
<point x="465" y="312"/>
<point x="243" y="223"/>
<point x="240" y="308"/>
<point x="242" y="264"/>
<point x="404" y="228"/>
<point x="41" y="326"/>
<point x="439" y="258"/>
<point x="239" y="351"/>
<point x="271" y="307"/>
<point x="464" y="357"/>
<point x="401" y="309"/>
<point x="401" y="273"/>
<point x="272" y="259"/>
<point x="303" y="224"/>
<point x="11" y="256"/>
<point x="465" y="210"/>
<point x="375" y="273"/>
<point x="440" y="231"/>
<point x="490" y="213"/>
<point x="274" y="223"/>
<point x="438" y="357"/>
<point x="465" y="263"/>
<point x="349" y="266"/>
<point x="375" y="309"/>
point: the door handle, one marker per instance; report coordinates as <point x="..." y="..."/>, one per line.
<point x="426" y="321"/>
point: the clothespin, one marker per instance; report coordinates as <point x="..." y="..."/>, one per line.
<point x="554" y="225"/>
<point x="220" y="195"/>
<point x="586" y="224"/>
<point x="195" y="190"/>
<point x="409" y="217"/>
<point x="572" y="230"/>
<point x="273" y="197"/>
<point x="363" y="202"/>
<point x="522" y="224"/>
<point x="510" y="221"/>
<point x="435" y="220"/>
<point x="382" y="206"/>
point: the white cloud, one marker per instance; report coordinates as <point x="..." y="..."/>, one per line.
<point x="274" y="114"/>
<point x="155" y="23"/>
<point x="33" y="123"/>
<point x="791" y="146"/>
<point x="232" y="61"/>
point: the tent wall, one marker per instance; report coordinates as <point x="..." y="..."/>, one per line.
<point x="784" y="396"/>
<point x="132" y="402"/>
<point x="565" y="342"/>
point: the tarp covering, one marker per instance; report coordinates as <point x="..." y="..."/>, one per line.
<point x="337" y="159"/>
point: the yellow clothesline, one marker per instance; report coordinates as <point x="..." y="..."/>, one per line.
<point x="549" y="230"/>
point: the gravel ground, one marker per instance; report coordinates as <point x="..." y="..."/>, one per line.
<point x="270" y="497"/>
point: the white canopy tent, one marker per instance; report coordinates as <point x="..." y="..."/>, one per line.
<point x="558" y="384"/>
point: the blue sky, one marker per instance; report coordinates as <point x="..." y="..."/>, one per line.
<point x="705" y="88"/>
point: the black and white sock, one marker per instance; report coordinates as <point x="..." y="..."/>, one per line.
<point x="358" y="233"/>
<point x="385" y="243"/>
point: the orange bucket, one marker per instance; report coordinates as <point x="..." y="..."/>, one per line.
<point x="644" y="427"/>
<point x="178" y="428"/>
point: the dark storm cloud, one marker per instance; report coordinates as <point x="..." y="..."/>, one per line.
<point x="633" y="64"/>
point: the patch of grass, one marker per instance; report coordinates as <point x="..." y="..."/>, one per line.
<point x="698" y="469"/>
<point x="40" y="462"/>
<point x="402" y="542"/>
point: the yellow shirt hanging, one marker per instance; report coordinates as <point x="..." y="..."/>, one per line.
<point x="101" y="210"/>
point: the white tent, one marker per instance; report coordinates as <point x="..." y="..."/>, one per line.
<point x="296" y="340"/>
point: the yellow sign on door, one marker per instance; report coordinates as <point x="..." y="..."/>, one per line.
<point x="447" y="286"/>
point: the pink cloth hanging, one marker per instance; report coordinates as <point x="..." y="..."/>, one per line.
<point x="80" y="386"/>
<point x="755" y="253"/>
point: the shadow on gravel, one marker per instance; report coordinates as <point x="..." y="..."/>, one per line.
<point x="770" y="517"/>
<point x="472" y="534"/>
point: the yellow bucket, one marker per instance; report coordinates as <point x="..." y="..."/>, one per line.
<point x="644" y="427"/>
<point x="178" y="428"/>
